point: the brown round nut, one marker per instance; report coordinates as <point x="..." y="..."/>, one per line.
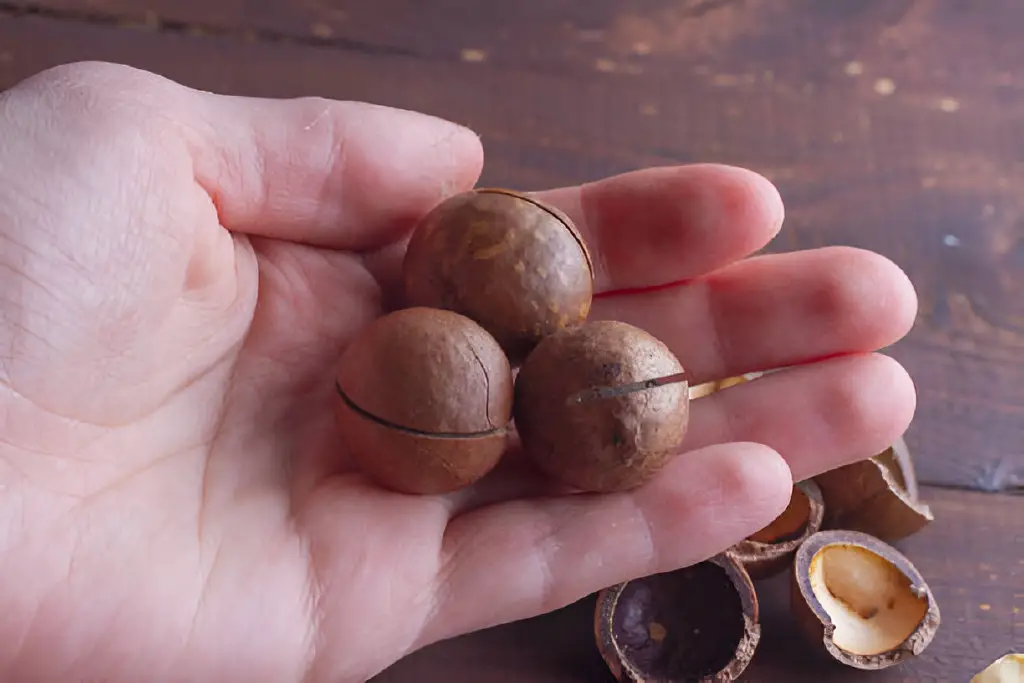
<point x="862" y="599"/>
<point x="770" y="551"/>
<point x="696" y="624"/>
<point x="512" y="263"/>
<point x="425" y="401"/>
<point x="602" y="406"/>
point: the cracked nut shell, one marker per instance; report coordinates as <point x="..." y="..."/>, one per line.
<point x="770" y="551"/>
<point x="1007" y="669"/>
<point x="877" y="496"/>
<point x="694" y="625"/>
<point x="602" y="406"/>
<point x="862" y="599"/>
<point x="424" y="401"/>
<point x="514" y="264"/>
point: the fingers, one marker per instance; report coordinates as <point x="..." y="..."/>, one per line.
<point x="344" y="175"/>
<point x="662" y="225"/>
<point x="819" y="416"/>
<point x="522" y="558"/>
<point x="776" y="310"/>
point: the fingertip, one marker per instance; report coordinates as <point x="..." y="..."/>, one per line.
<point x="755" y="474"/>
<point x="874" y="403"/>
<point x="759" y="199"/>
<point x="869" y="293"/>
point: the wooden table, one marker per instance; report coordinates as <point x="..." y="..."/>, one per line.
<point x="896" y="125"/>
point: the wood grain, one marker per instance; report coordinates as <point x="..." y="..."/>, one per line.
<point x="887" y="124"/>
<point x="925" y="174"/>
<point x="972" y="557"/>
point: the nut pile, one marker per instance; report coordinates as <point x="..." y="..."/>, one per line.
<point x="857" y="599"/>
<point x="495" y="282"/>
<point x="496" y="336"/>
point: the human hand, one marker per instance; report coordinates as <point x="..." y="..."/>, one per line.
<point x="180" y="272"/>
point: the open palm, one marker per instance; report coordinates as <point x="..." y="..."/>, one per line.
<point x="180" y="272"/>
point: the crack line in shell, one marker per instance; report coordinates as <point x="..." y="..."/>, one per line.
<point x="409" y="430"/>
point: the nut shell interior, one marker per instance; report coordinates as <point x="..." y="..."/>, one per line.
<point x="695" y="624"/>
<point x="863" y="599"/>
<point x="1007" y="669"/>
<point x="770" y="550"/>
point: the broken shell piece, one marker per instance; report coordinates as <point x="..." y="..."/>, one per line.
<point x="1006" y="669"/>
<point x="862" y="599"/>
<point x="877" y="496"/>
<point x="694" y="625"/>
<point x="898" y="461"/>
<point x="707" y="388"/>
<point x="770" y="550"/>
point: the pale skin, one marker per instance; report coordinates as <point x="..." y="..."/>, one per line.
<point x="179" y="273"/>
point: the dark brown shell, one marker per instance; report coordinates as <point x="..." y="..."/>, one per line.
<point x="819" y="627"/>
<point x="512" y="263"/>
<point x="601" y="444"/>
<point x="694" y="625"/>
<point x="770" y="551"/>
<point x="425" y="400"/>
<point x="878" y="495"/>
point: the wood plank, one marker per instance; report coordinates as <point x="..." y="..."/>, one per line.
<point x="972" y="557"/>
<point x="925" y="174"/>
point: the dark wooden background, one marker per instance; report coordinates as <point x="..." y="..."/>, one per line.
<point x="896" y="125"/>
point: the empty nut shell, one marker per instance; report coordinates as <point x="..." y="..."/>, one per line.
<point x="877" y="496"/>
<point x="862" y="600"/>
<point x="770" y="551"/>
<point x="1007" y="669"/>
<point x="695" y="625"/>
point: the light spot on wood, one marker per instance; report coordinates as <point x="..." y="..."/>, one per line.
<point x="853" y="69"/>
<point x="929" y="181"/>
<point x="472" y="54"/>
<point x="949" y="105"/>
<point x="988" y="211"/>
<point x="951" y="241"/>
<point x="724" y="80"/>
<point x="321" y="30"/>
<point x="605" y="65"/>
<point x="984" y="607"/>
<point x="649" y="109"/>
<point x="885" y="86"/>
<point x="642" y="48"/>
<point x="838" y="136"/>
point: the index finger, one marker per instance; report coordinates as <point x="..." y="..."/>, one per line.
<point x="664" y="225"/>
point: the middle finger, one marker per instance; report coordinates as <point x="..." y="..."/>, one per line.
<point x="775" y="310"/>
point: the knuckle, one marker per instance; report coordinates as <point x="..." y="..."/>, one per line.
<point x="91" y="100"/>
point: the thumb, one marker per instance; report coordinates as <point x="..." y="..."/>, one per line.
<point x="132" y="265"/>
<point x="344" y="175"/>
